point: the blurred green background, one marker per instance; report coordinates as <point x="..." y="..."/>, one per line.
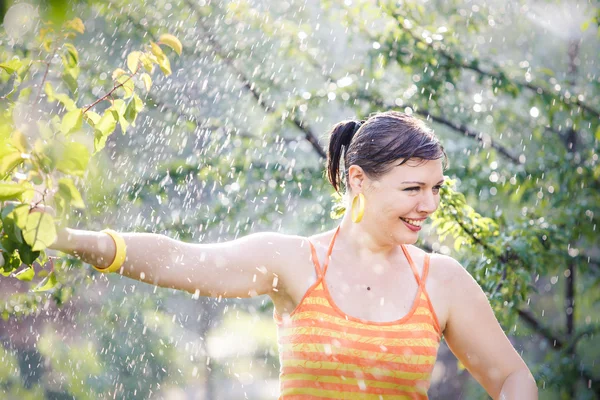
<point x="233" y="142"/>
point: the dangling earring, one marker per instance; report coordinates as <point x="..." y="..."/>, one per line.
<point x="357" y="217"/>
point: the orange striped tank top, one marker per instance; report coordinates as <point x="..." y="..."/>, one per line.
<point x="327" y="354"/>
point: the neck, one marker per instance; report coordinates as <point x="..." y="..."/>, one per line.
<point x="364" y="240"/>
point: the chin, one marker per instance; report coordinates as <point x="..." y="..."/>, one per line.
<point x="406" y="238"/>
<point x="410" y="240"/>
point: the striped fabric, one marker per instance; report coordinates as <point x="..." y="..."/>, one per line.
<point x="326" y="354"/>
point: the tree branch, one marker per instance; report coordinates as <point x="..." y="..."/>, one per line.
<point x="470" y="133"/>
<point x="558" y="344"/>
<point x="87" y="108"/>
<point x="44" y="77"/>
<point x="474" y="66"/>
<point x="310" y="136"/>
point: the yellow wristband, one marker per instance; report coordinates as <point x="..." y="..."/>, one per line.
<point x="119" y="254"/>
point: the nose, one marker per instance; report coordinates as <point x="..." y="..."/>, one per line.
<point x="428" y="204"/>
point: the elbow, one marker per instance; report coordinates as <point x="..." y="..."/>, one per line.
<point x="519" y="385"/>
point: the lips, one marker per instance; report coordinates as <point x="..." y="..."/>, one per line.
<point x="414" y="222"/>
<point x="410" y="224"/>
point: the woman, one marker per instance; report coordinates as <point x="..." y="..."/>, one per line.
<point x="360" y="311"/>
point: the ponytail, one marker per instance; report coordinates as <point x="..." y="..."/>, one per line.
<point x="341" y="136"/>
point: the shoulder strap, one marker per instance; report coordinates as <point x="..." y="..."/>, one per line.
<point x="412" y="264"/>
<point x="328" y="256"/>
<point x="315" y="259"/>
<point x="423" y="280"/>
<point x="425" y="269"/>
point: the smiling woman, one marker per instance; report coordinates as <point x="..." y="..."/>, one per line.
<point x="360" y="311"/>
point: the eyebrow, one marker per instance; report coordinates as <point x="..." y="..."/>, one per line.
<point x="420" y="183"/>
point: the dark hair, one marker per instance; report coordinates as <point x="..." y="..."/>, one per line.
<point x="378" y="143"/>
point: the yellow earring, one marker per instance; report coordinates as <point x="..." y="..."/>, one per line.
<point x="357" y="217"/>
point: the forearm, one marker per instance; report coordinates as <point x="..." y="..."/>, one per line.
<point x="519" y="385"/>
<point x="148" y="255"/>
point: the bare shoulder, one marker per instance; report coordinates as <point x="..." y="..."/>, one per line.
<point x="441" y="267"/>
<point x="447" y="269"/>
<point x="286" y="246"/>
<point x="290" y="252"/>
<point x="457" y="283"/>
<point x="446" y="277"/>
<point x="294" y="268"/>
<point x="454" y="277"/>
<point x="321" y="239"/>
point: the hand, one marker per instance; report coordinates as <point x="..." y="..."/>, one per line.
<point x="38" y="207"/>
<point x="62" y="237"/>
<point x="33" y="207"/>
<point x="42" y="208"/>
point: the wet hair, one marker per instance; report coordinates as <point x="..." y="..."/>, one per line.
<point x="378" y="144"/>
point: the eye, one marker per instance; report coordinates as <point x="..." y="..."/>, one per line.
<point x="436" y="189"/>
<point x="412" y="188"/>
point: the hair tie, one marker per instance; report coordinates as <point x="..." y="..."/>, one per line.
<point x="358" y="124"/>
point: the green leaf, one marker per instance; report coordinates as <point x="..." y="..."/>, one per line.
<point x="71" y="54"/>
<point x="165" y="66"/>
<point x="10" y="157"/>
<point x="26" y="274"/>
<point x="71" y="121"/>
<point x="133" y="108"/>
<point x="157" y="51"/>
<point x="49" y="90"/>
<point x="119" y="106"/>
<point x="14" y="217"/>
<point x="172" y="42"/>
<point x="161" y="59"/>
<point x="133" y="61"/>
<point x="24" y="94"/>
<point x="147" y="80"/>
<point x="70" y="78"/>
<point x="107" y="124"/>
<point x="91" y="118"/>
<point x="127" y="85"/>
<point x="104" y="128"/>
<point x="118" y="72"/>
<point x="10" y="190"/>
<point x="11" y="66"/>
<point x="66" y="101"/>
<point x="75" y="24"/>
<point x="10" y="87"/>
<point x="147" y="62"/>
<point x="40" y="231"/>
<point x="70" y="59"/>
<point x="11" y="262"/>
<point x="48" y="283"/>
<point x="67" y="188"/>
<point x="27" y="255"/>
<point x="74" y="160"/>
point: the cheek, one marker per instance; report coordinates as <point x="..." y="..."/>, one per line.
<point x="390" y="206"/>
<point x="402" y="203"/>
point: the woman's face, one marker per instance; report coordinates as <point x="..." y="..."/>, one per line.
<point x="399" y="202"/>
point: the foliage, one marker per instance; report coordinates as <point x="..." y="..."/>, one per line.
<point x="241" y="148"/>
<point x="44" y="145"/>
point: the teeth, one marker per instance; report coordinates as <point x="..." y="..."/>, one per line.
<point x="413" y="222"/>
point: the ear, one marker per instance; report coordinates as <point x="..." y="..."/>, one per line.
<point x="356" y="179"/>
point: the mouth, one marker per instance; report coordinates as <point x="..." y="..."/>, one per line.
<point x="413" y="224"/>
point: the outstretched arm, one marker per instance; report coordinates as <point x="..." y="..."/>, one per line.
<point x="244" y="267"/>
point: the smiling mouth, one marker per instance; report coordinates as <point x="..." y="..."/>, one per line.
<point x="413" y="222"/>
